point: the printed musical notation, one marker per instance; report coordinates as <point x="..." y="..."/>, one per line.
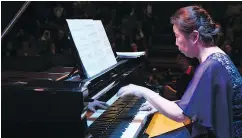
<point x="92" y="44"/>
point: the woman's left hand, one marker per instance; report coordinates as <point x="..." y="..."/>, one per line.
<point x="131" y="89"/>
<point x="96" y="104"/>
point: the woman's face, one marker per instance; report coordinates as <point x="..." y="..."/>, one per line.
<point x="184" y="44"/>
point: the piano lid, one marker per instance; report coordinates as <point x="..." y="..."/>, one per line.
<point x="12" y="8"/>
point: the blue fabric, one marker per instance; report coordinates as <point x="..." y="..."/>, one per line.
<point x="208" y="100"/>
<point x="237" y="90"/>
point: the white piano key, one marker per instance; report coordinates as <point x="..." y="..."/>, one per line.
<point x="100" y="112"/>
<point x="136" y="125"/>
<point x="131" y="131"/>
<point x="133" y="128"/>
<point x="112" y="100"/>
<point x="109" y="102"/>
<point x="141" y="115"/>
<point x="97" y="114"/>
<point x="94" y="117"/>
<point x="89" y="122"/>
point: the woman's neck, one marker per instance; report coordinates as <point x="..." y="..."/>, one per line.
<point x="204" y="52"/>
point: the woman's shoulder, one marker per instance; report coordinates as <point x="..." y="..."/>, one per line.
<point x="224" y="60"/>
<point x="227" y="64"/>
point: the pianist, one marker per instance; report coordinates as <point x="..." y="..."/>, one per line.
<point x="213" y="99"/>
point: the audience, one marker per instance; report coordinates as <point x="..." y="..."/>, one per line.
<point x="9" y="51"/>
<point x="128" y="29"/>
<point x="25" y="49"/>
<point x="176" y="92"/>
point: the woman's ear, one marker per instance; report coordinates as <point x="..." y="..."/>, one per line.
<point x="195" y="36"/>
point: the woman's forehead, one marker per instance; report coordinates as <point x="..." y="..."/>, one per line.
<point x="175" y="29"/>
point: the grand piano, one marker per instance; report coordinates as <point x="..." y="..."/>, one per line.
<point x="52" y="102"/>
<point x="68" y="80"/>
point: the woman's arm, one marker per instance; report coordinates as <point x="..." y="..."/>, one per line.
<point x="164" y="106"/>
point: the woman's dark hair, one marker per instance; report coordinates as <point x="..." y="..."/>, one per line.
<point x="188" y="19"/>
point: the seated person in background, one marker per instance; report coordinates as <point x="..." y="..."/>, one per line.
<point x="25" y="49"/>
<point x="9" y="50"/>
<point x="140" y="42"/>
<point x="182" y="82"/>
<point x="232" y="52"/>
<point x="43" y="44"/>
<point x="153" y="80"/>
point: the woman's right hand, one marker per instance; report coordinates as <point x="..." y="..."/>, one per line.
<point x="148" y="107"/>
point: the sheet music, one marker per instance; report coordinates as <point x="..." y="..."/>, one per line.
<point x="92" y="45"/>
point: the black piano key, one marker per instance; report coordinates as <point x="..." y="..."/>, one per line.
<point x="111" y="114"/>
<point x="114" y="121"/>
<point x="121" y="127"/>
<point x="100" y="126"/>
<point x="115" y="109"/>
<point x="106" y="124"/>
<point x="119" y="105"/>
<point x="107" y="121"/>
<point x="94" y="133"/>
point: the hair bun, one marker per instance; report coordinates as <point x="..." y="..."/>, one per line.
<point x="216" y="30"/>
<point x="202" y="30"/>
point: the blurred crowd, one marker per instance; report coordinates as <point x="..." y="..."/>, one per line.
<point x="42" y="29"/>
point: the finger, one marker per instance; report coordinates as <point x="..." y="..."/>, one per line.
<point x="102" y="106"/>
<point x="124" y="94"/>
<point x="144" y="108"/>
<point x="130" y="84"/>
<point x="144" y="104"/>
<point x="91" y="108"/>
<point x="101" y="102"/>
<point x="105" y="104"/>
<point x="120" y="91"/>
<point x="153" y="111"/>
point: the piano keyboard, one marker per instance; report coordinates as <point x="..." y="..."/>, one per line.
<point x="122" y="119"/>
<point x="95" y="115"/>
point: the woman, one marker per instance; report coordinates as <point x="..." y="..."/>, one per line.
<point x="213" y="99"/>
